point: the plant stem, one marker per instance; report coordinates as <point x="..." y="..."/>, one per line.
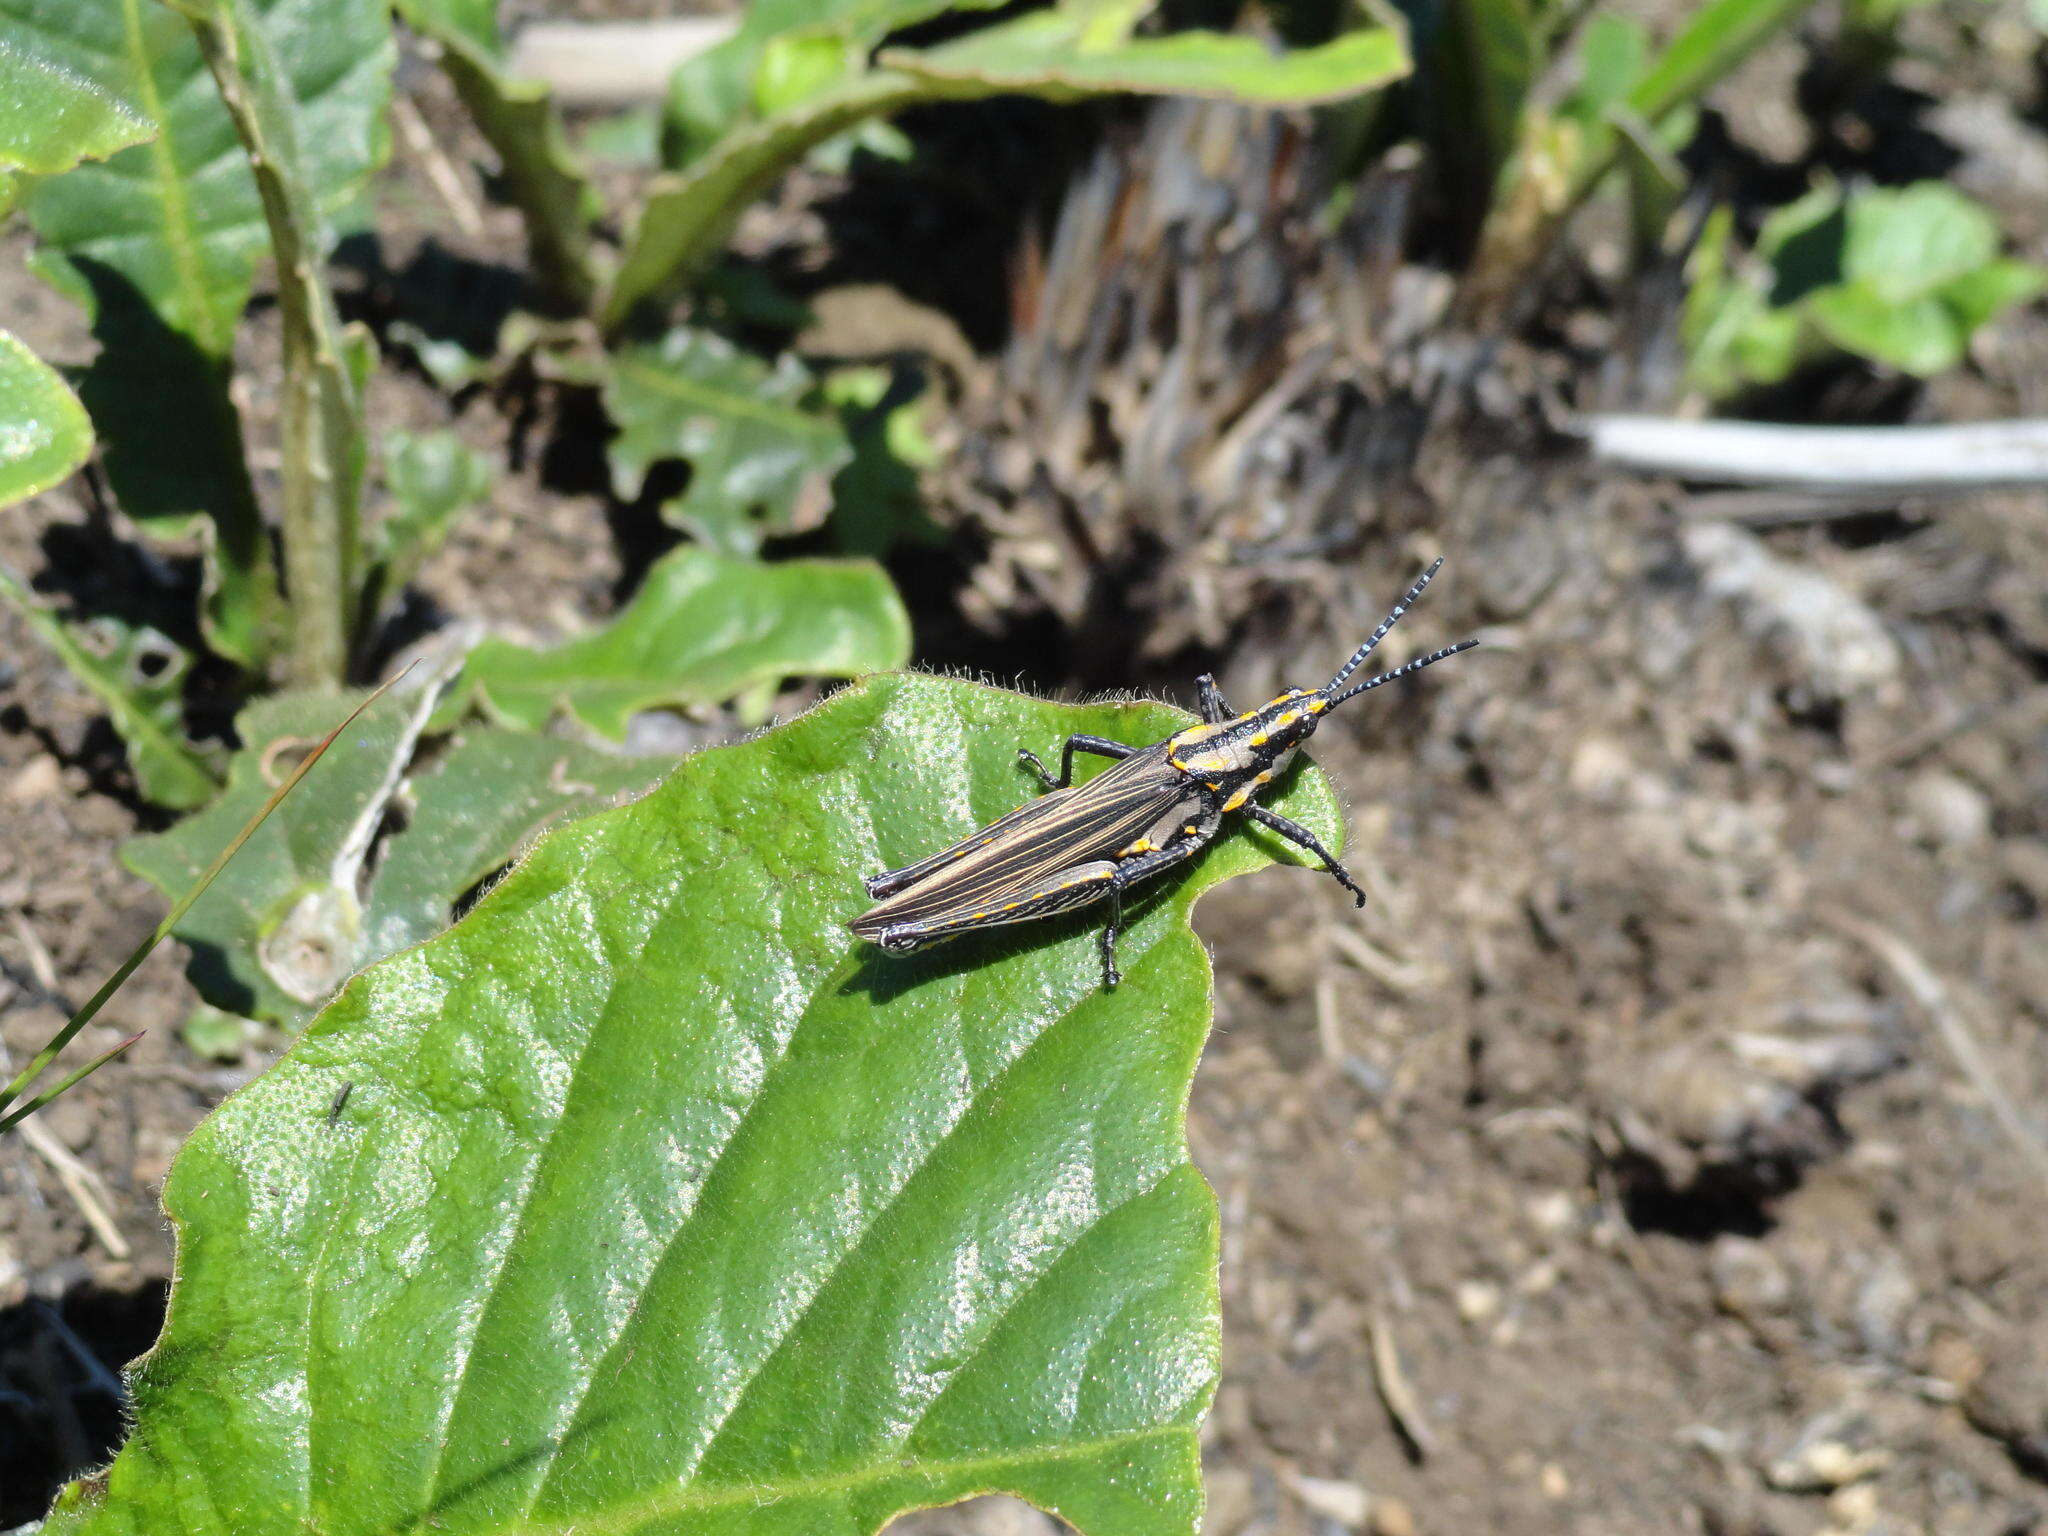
<point x="321" y="416"/>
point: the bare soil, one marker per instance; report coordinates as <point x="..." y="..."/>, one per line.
<point x="1651" y="1154"/>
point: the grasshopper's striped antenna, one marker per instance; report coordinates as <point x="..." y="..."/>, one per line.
<point x="1403" y="670"/>
<point x="1358" y="656"/>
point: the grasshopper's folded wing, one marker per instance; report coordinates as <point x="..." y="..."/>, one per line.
<point x="1062" y="830"/>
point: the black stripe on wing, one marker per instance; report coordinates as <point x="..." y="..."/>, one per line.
<point x="891" y="881"/>
<point x="1092" y="821"/>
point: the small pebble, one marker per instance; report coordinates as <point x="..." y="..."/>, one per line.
<point x="1477" y="1301"/>
<point x="1947" y="812"/>
<point x="1349" y="1504"/>
<point x="38" y="781"/>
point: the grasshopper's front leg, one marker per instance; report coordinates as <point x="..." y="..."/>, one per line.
<point x="1295" y="833"/>
<point x="1101" y="746"/>
<point x="1214" y="707"/>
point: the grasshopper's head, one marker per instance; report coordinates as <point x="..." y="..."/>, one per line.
<point x="1253" y="749"/>
<point x="1237" y="756"/>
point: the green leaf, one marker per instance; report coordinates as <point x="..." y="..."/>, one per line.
<point x="1611" y="61"/>
<point x="735" y="83"/>
<point x="56" y="106"/>
<point x="1906" y="242"/>
<point x="703" y="628"/>
<point x="179" y="219"/>
<point x="1053" y="54"/>
<point x="754" y="449"/>
<point x="1477" y="61"/>
<point x="543" y="177"/>
<point x="1047" y="54"/>
<point x="433" y="477"/>
<point x="213" y="1034"/>
<point x="629" y="138"/>
<point x="1978" y="297"/>
<point x="138" y="676"/>
<point x="161" y="243"/>
<point x="1916" y="335"/>
<point x="47" y="434"/>
<point x="1715" y="38"/>
<point x="877" y="502"/>
<point x="659" y="1203"/>
<point x="313" y="896"/>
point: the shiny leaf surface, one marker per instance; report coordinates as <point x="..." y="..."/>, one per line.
<point x="703" y="629"/>
<point x="756" y="451"/>
<point x="57" y="106"/>
<point x="660" y="1204"/>
<point x="46" y="434"/>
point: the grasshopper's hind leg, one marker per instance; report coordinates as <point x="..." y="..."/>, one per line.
<point x="1101" y="746"/>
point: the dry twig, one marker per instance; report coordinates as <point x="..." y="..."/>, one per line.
<point x="1947" y="1009"/>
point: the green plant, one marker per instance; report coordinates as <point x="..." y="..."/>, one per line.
<point x="763" y="438"/>
<point x="274" y="116"/>
<point x="659" y="1202"/>
<point x="12" y="1112"/>
<point x="273" y="113"/>
<point x="1523" y="127"/>
<point x="48" y="437"/>
<point x="1901" y="276"/>
<point x="795" y="76"/>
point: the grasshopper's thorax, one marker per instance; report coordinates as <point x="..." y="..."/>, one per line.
<point x="1237" y="757"/>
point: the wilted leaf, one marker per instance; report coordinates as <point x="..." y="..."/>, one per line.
<point x="137" y="675"/>
<point x="703" y="629"/>
<point x="754" y="448"/>
<point x="302" y="908"/>
<point x="658" y="1203"/>
<point x="161" y="243"/>
<point x="47" y="435"/>
<point x="543" y="177"/>
<point x="56" y="105"/>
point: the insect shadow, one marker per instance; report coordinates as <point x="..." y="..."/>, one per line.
<point x="883" y="977"/>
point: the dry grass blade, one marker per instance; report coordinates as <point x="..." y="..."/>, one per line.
<point x="1946" y="1009"/>
<point x="85" y="1015"/>
<point x="84" y="1186"/>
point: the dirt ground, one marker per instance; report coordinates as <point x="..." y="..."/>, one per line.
<point x="1660" y="1150"/>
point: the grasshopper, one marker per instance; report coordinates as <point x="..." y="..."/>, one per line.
<point x="1157" y="807"/>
